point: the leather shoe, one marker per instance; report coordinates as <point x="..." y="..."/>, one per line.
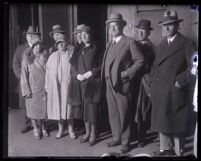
<point x="93" y="142"/>
<point x="163" y="153"/>
<point x="125" y="149"/>
<point x="84" y="140"/>
<point x="26" y="129"/>
<point x="114" y="143"/>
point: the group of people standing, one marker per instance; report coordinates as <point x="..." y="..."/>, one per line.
<point x="69" y="82"/>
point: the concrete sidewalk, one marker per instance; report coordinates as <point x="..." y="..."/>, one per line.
<point x="25" y="145"/>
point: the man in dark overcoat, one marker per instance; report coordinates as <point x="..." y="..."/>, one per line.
<point x="17" y="59"/>
<point x="143" y="106"/>
<point x="121" y="64"/>
<point x="171" y="78"/>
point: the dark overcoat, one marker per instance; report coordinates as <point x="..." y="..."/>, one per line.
<point x="91" y="86"/>
<point x="143" y="106"/>
<point x="170" y="104"/>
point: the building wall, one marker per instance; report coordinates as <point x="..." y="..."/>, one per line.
<point x="132" y="16"/>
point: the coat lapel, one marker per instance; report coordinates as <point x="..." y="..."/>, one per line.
<point x="118" y="49"/>
<point x="166" y="51"/>
<point x="104" y="57"/>
<point x="40" y="64"/>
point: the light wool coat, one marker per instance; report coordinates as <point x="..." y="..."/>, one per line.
<point x="57" y="94"/>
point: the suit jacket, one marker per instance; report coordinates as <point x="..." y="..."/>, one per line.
<point x="170" y="105"/>
<point x="129" y="60"/>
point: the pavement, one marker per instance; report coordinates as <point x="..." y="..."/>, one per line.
<point x="25" y="145"/>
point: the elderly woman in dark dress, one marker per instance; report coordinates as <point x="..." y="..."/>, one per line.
<point x="84" y="87"/>
<point x="32" y="85"/>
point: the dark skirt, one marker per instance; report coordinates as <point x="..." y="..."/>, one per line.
<point x="90" y="112"/>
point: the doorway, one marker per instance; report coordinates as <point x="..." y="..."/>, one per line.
<point x="94" y="16"/>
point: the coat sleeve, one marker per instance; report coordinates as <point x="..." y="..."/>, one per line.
<point x="17" y="63"/>
<point x="184" y="78"/>
<point x="138" y="60"/>
<point x="25" y="86"/>
<point x="47" y="71"/>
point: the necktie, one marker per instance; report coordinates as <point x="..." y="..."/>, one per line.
<point x="59" y="68"/>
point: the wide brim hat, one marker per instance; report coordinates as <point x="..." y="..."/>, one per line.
<point x="56" y="29"/>
<point x="116" y="17"/>
<point x="145" y="25"/>
<point x="32" y="30"/>
<point x="169" y="17"/>
<point x="78" y="28"/>
<point x="60" y="40"/>
<point x="35" y="42"/>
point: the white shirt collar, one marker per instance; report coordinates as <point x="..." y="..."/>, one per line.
<point x="117" y="39"/>
<point x="172" y="39"/>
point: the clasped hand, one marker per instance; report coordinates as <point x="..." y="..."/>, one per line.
<point x="82" y="77"/>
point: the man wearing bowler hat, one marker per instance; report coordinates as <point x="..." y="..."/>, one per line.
<point x="30" y="34"/>
<point x="56" y="33"/>
<point x="143" y="106"/>
<point x="171" y="80"/>
<point x="121" y="64"/>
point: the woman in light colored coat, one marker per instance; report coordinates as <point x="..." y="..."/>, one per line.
<point x="56" y="85"/>
<point x="33" y="86"/>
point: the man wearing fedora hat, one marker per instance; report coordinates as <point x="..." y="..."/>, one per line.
<point x="121" y="63"/>
<point x="56" y="33"/>
<point x="171" y="80"/>
<point x="143" y="106"/>
<point x="30" y="34"/>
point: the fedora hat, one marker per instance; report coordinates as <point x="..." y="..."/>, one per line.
<point x="170" y="16"/>
<point x="31" y="30"/>
<point x="116" y="17"/>
<point x="56" y="29"/>
<point x="35" y="41"/>
<point x="144" y="24"/>
<point x="78" y="28"/>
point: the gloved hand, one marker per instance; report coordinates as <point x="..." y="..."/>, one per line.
<point x="80" y="77"/>
<point x="87" y="75"/>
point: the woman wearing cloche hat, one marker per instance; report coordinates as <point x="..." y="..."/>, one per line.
<point x="32" y="85"/>
<point x="56" y="85"/>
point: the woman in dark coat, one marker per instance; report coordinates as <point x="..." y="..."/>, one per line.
<point x="84" y="87"/>
<point x="33" y="86"/>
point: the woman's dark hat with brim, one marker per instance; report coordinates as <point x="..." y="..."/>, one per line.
<point x="116" y="17"/>
<point x="32" y="30"/>
<point x="35" y="42"/>
<point x="145" y="25"/>
<point x="169" y="17"/>
<point x="79" y="28"/>
<point x="60" y="40"/>
<point x="56" y="29"/>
